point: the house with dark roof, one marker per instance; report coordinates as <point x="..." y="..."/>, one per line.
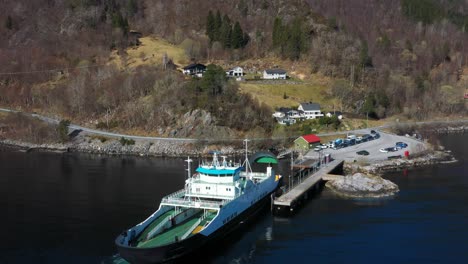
<point x="274" y="74"/>
<point x="310" y="110"/>
<point x="195" y="69"/>
<point x="306" y="142"/>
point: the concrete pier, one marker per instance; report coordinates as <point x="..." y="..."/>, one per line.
<point x="288" y="202"/>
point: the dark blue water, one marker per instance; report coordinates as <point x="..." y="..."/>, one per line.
<point x="68" y="209"/>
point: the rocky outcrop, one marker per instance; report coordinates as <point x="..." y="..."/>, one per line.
<point x="429" y="158"/>
<point x="361" y="185"/>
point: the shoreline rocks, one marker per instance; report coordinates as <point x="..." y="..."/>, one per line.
<point x="158" y="148"/>
<point x="360" y="185"/>
<point x="429" y="158"/>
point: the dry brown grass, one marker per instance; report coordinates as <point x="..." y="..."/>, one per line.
<point x="273" y="94"/>
<point x="149" y="52"/>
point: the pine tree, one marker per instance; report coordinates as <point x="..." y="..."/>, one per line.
<point x="295" y="42"/>
<point x="217" y="26"/>
<point x="245" y="39"/>
<point x="132" y="7"/>
<point x="277" y="24"/>
<point x="243" y="8"/>
<point x="9" y="23"/>
<point x="237" y="36"/>
<point x="210" y="26"/>
<point x="365" y="59"/>
<point x="226" y="32"/>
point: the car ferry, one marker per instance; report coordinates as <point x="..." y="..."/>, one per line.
<point x="219" y="197"/>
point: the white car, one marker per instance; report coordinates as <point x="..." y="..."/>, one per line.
<point x="384" y="150"/>
<point x="324" y="146"/>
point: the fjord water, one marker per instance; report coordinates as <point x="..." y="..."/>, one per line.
<point x="68" y="208"/>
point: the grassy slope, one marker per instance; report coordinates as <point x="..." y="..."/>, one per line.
<point x="273" y="94"/>
<point x="150" y="52"/>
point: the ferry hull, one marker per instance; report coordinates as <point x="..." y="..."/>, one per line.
<point x="174" y="251"/>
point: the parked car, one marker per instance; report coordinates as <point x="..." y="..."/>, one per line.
<point x="366" y="137"/>
<point x="351" y="136"/>
<point x="323" y="146"/>
<point x="401" y="145"/>
<point x="318" y="148"/>
<point x="358" y="140"/>
<point x="390" y="149"/>
<point x="337" y="146"/>
<point x="373" y="132"/>
<point x="363" y="152"/>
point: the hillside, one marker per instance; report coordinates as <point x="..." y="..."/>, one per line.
<point x="81" y="60"/>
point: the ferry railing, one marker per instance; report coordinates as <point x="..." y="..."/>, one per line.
<point x="158" y="227"/>
<point x="179" y="193"/>
<point x="254" y="174"/>
<point x="194" y="204"/>
<point x="191" y="229"/>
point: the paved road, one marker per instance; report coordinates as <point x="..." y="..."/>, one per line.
<point x="99" y="132"/>
<point x="117" y="135"/>
<point x="373" y="147"/>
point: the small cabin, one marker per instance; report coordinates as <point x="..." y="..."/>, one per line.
<point x="195" y="69"/>
<point x="306" y="142"/>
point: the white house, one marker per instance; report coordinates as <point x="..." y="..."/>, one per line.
<point x="310" y="110"/>
<point x="272" y="74"/>
<point x="235" y="72"/>
<point x="335" y="113"/>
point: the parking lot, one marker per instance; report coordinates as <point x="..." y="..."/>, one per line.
<point x="373" y="147"/>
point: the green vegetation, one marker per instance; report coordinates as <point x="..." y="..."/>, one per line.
<point x="431" y="11"/>
<point x="290" y="41"/>
<point x="9" y="23"/>
<point x="426" y="11"/>
<point x="126" y="141"/>
<point x="221" y="97"/>
<point x="327" y="121"/>
<point x="365" y="59"/>
<point x="222" y="30"/>
<point x="62" y="130"/>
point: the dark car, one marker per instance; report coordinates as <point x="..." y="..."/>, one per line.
<point x="366" y="137"/>
<point x="373" y="132"/>
<point x="363" y="152"/>
<point x="391" y="149"/>
<point x="401" y="145"/>
<point x="394" y="157"/>
<point x="376" y="136"/>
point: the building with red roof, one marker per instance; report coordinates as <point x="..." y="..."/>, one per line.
<point x="306" y="142"/>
